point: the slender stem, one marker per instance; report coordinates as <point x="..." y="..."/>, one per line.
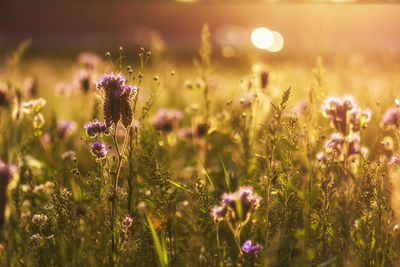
<point x="47" y="153"/>
<point x="115" y="183"/>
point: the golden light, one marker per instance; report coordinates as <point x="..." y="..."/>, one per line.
<point x="278" y="42"/>
<point x="262" y="38"/>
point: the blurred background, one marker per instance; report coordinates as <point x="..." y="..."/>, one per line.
<point x="292" y="28"/>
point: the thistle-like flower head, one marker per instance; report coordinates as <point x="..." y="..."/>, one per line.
<point x="98" y="150"/>
<point x="95" y="128"/>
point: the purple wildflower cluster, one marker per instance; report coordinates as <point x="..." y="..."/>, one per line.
<point x="249" y="248"/>
<point x="165" y="120"/>
<point x="346" y="117"/>
<point x="391" y="118"/>
<point x="98" y="149"/>
<point x="116" y="103"/>
<point x="239" y="203"/>
<point x="96" y="128"/>
<point x="343" y="147"/>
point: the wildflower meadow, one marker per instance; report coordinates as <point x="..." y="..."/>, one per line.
<point x="128" y="157"/>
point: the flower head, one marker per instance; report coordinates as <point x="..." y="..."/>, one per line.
<point x="95" y="128"/>
<point x="391" y="118"/>
<point x="116" y="104"/>
<point x="344" y="114"/>
<point x="127" y="221"/>
<point x="219" y="212"/>
<point x="249" y="248"/>
<point x="98" y="150"/>
<point x="239" y="202"/>
<point x="39" y="219"/>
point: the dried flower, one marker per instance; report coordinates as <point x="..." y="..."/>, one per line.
<point x="127" y="221"/>
<point x="264" y="75"/>
<point x="98" y="150"/>
<point x="36" y="239"/>
<point x="39" y="219"/>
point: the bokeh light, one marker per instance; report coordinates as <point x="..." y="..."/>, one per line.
<point x="278" y="42"/>
<point x="262" y="38"/>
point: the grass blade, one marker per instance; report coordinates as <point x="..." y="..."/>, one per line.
<point x="208" y="176"/>
<point x="227" y="178"/>
<point x="161" y="252"/>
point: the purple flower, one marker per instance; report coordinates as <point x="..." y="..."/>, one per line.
<point x="394" y="160"/>
<point x="165" y="120"/>
<point x="335" y="143"/>
<point x="95" y="128"/>
<point x="116" y="102"/>
<point x="98" y="150"/>
<point x="344" y="114"/>
<point x="219" y="212"/>
<point x="391" y="118"/>
<point x="249" y="248"/>
<point x="116" y="85"/>
<point x="359" y="118"/>
<point x="64" y="127"/>
<point x="242" y="201"/>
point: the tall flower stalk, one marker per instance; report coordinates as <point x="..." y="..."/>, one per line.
<point x="117" y="96"/>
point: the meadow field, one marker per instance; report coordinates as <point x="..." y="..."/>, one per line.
<point x="132" y="157"/>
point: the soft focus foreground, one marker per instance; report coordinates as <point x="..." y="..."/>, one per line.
<point x="134" y="158"/>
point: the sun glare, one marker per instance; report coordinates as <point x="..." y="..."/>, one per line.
<point x="262" y="38"/>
